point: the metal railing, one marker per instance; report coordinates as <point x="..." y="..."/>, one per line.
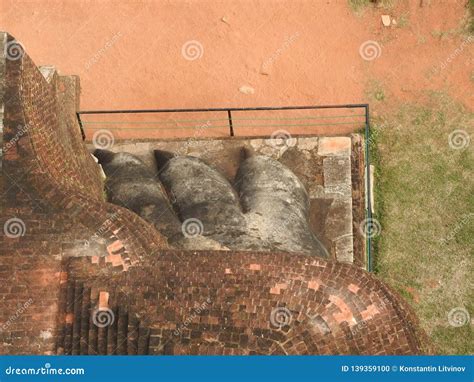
<point x="233" y="126"/>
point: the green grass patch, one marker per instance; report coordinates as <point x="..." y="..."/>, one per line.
<point x="470" y="5"/>
<point x="424" y="201"/>
<point x="403" y="21"/>
<point x="375" y="91"/>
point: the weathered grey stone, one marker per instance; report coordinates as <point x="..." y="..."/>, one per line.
<point x="307" y="143"/>
<point x="200" y="243"/>
<point x="337" y="176"/>
<point x="200" y="192"/>
<point x="277" y="205"/>
<point x="131" y="184"/>
<point x="345" y="248"/>
<point x="339" y="227"/>
<point x="303" y="159"/>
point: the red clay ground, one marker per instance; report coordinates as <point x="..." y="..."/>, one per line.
<point x="130" y="54"/>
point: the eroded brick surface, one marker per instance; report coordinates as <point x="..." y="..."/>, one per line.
<point x="52" y="201"/>
<point x="186" y="303"/>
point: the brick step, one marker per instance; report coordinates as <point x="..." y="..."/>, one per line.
<point x="94" y="325"/>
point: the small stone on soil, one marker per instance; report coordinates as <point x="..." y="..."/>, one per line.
<point x="246" y="89"/>
<point x="386" y="20"/>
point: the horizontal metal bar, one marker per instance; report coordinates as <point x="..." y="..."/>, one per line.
<point x="176" y="121"/>
<point x="234" y="126"/>
<point x="348" y="106"/>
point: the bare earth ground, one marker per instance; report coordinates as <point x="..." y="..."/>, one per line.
<point x="419" y="84"/>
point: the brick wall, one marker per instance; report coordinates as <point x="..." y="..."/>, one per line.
<point x="233" y="303"/>
<point x="52" y="204"/>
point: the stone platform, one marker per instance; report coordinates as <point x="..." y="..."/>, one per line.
<point x="323" y="164"/>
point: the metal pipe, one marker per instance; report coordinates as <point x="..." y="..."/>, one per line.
<point x="78" y="116"/>
<point x="348" y="106"/>
<point x="369" y="202"/>
<point x="230" y="123"/>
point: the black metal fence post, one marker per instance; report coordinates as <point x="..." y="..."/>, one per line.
<point x="230" y="123"/>
<point x="368" y="224"/>
<point x="78" y="115"/>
